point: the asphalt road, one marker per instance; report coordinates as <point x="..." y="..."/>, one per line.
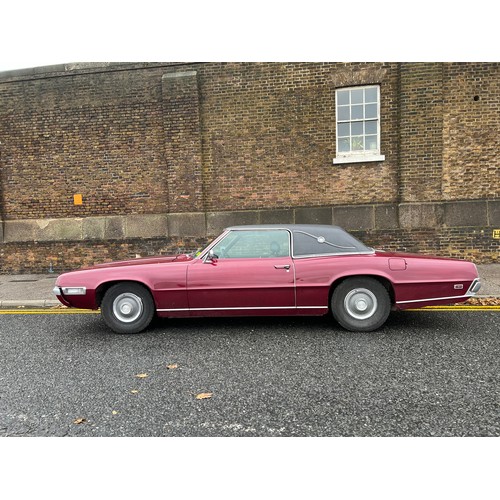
<point x="424" y="374"/>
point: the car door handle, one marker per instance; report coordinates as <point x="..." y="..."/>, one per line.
<point x="286" y="266"/>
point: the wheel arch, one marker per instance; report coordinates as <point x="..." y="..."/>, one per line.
<point x="106" y="285"/>
<point x="386" y="282"/>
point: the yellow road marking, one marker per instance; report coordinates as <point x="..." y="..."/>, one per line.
<point x="88" y="311"/>
<point x="48" y="311"/>
<point x="456" y="308"/>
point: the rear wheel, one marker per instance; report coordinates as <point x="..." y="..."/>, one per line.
<point x="361" y="304"/>
<point x="127" y="308"/>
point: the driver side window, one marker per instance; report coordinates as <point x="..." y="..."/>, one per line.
<point x="254" y="244"/>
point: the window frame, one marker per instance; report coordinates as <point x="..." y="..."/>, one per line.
<point x="229" y="232"/>
<point x="362" y="155"/>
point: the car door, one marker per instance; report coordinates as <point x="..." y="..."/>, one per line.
<point x="251" y="273"/>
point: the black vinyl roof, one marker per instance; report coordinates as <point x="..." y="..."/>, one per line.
<point x="314" y="239"/>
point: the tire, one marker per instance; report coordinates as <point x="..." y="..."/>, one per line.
<point x="127" y="308"/>
<point x="361" y="304"/>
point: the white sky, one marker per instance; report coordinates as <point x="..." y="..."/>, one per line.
<point x="55" y="31"/>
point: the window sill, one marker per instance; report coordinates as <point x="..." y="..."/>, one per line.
<point x="357" y="159"/>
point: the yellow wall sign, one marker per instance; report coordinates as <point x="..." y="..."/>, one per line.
<point x="496" y="234"/>
<point x="77" y="199"/>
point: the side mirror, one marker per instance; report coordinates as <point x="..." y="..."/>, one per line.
<point x="211" y="257"/>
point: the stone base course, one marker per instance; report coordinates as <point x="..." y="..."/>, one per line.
<point x="430" y="228"/>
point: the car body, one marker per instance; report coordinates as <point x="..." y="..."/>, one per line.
<point x="270" y="270"/>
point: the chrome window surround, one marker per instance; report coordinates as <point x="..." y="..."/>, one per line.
<point x="203" y="256"/>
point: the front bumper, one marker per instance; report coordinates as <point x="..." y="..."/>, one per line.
<point x="69" y="290"/>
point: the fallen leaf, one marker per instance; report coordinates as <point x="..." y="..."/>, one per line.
<point x="204" y="395"/>
<point x="141" y="375"/>
<point x="172" y="367"/>
<point x="79" y="421"/>
<point x="114" y="412"/>
<point x="134" y="391"/>
<point x="483" y="301"/>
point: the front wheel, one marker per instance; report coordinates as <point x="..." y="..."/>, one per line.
<point x="127" y="308"/>
<point x="361" y="304"/>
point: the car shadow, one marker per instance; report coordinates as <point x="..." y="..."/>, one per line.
<point x="398" y="323"/>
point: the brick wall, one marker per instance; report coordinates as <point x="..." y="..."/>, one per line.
<point x="99" y="135"/>
<point x="471" y="135"/>
<point x="164" y="151"/>
<point x="269" y="136"/>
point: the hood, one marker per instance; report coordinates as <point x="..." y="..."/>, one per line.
<point x="159" y="259"/>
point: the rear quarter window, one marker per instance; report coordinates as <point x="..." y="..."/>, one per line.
<point x="327" y="242"/>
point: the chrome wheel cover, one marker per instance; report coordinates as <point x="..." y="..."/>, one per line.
<point x="127" y="307"/>
<point x="360" y="303"/>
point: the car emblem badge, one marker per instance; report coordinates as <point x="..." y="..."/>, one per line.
<point x="458" y="287"/>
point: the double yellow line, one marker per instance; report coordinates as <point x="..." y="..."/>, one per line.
<point x="88" y="311"/>
<point x="48" y="311"/>
<point x="456" y="308"/>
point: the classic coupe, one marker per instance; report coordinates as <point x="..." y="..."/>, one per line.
<point x="270" y="270"/>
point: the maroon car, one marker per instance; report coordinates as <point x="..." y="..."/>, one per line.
<point x="270" y="270"/>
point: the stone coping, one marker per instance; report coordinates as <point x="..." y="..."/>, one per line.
<point x="474" y="213"/>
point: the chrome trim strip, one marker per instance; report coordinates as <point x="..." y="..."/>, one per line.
<point x="240" y="308"/>
<point x="339" y="254"/>
<point x="203" y="256"/>
<point x="56" y="291"/>
<point x="431" y="299"/>
<point x="205" y="251"/>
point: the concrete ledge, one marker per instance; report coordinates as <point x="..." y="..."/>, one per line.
<point x="313" y="215"/>
<point x="187" y="224"/>
<point x="413" y="216"/>
<point x="93" y="228"/>
<point x="146" y="226"/>
<point x="35" y="304"/>
<point x="278" y="216"/>
<point x="386" y="217"/>
<point x="465" y="213"/>
<point x="494" y="214"/>
<point x="474" y="213"/>
<point x="217" y="221"/>
<point x="358" y="218"/>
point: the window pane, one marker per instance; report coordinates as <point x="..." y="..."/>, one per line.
<point x="357" y="96"/>
<point x="343" y="130"/>
<point x="342" y="97"/>
<point x="357" y="143"/>
<point x="370" y="111"/>
<point x="253" y="244"/>
<point x="371" y="142"/>
<point x="371" y="94"/>
<point x="325" y="241"/>
<point x="344" y="145"/>
<point x="357" y="128"/>
<point x="357" y="112"/>
<point x="371" y="127"/>
<point x="343" y="113"/>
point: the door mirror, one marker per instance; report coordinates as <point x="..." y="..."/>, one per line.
<point x="211" y="257"/>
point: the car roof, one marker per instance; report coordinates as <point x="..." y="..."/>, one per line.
<point x="291" y="227"/>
